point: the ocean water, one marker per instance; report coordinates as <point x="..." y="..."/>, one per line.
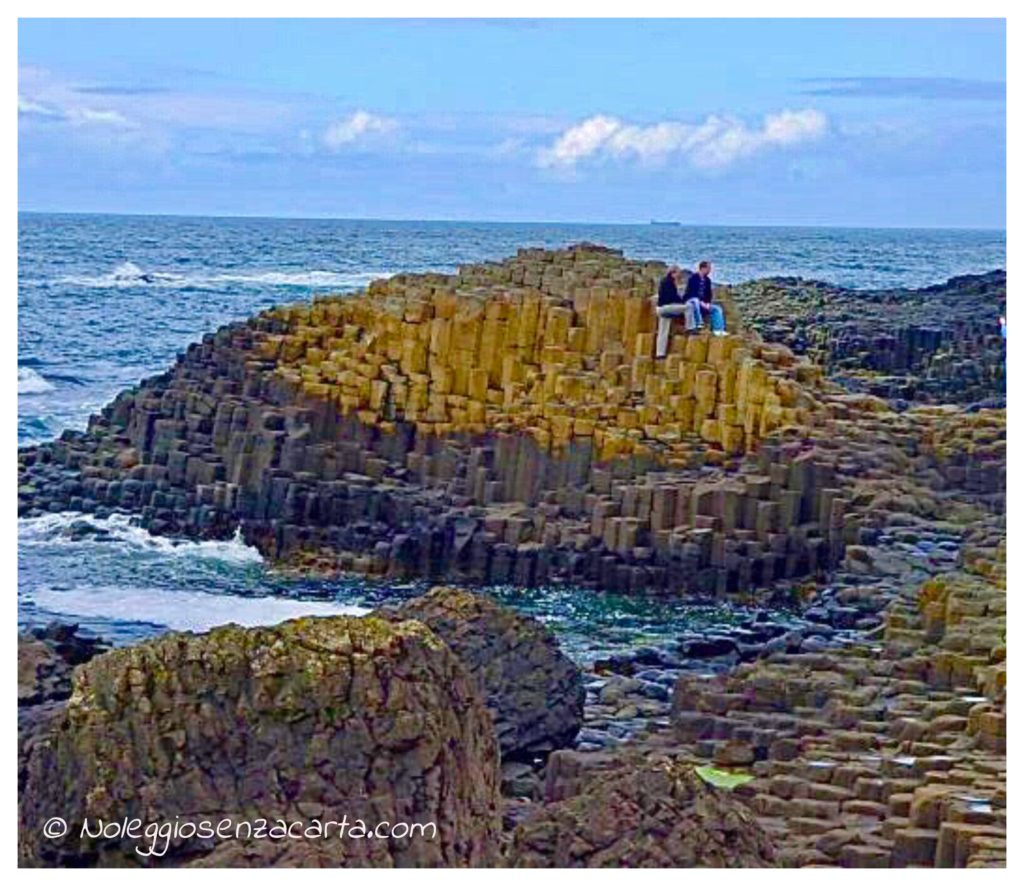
<point x="104" y="301"/>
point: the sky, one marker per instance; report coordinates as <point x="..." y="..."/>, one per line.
<point x="855" y="122"/>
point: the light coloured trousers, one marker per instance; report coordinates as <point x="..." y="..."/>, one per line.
<point x="689" y="310"/>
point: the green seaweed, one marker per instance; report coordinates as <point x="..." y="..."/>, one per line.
<point x="721" y="778"/>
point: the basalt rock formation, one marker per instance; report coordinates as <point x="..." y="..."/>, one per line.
<point x="889" y="753"/>
<point x="534" y="692"/>
<point x="505" y="424"/>
<point x="312" y="720"/>
<point x="938" y="344"/>
<point x="509" y="424"/>
<point x="46" y="657"/>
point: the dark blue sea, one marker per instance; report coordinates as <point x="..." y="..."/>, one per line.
<point x="104" y="301"/>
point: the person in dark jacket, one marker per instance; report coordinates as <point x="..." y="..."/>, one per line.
<point x="699" y="299"/>
<point x="669" y="305"/>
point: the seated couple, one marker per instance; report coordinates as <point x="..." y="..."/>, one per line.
<point x="693" y="306"/>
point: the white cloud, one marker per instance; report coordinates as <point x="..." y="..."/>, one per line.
<point x="166" y="109"/>
<point x="36" y="109"/>
<point x="714" y="143"/>
<point x="92" y="117"/>
<point x="581" y="140"/>
<point x="57" y="108"/>
<point x="355" y="127"/>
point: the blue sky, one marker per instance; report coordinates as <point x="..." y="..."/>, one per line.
<point x="838" y="122"/>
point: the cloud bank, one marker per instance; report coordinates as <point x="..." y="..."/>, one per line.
<point x="715" y="143"/>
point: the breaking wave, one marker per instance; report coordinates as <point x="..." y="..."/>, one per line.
<point x="76" y="528"/>
<point x="137" y="584"/>
<point x="31" y="382"/>
<point x="129" y="275"/>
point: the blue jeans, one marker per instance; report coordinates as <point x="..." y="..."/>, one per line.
<point x="717" y="318"/>
<point x="693" y="315"/>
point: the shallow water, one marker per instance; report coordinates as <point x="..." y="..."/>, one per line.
<point x="120" y="582"/>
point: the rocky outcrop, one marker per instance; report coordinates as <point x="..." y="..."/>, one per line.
<point x="890" y="752"/>
<point x="891" y="755"/>
<point x="507" y="424"/>
<point x="315" y="720"/>
<point x="46" y="658"/>
<point x="43" y="674"/>
<point x="937" y="344"/>
<point x="639" y="814"/>
<point x="534" y="692"/>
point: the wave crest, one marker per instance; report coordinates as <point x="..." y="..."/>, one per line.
<point x="130" y="275"/>
<point x="31" y="382"/>
<point x="76" y="528"/>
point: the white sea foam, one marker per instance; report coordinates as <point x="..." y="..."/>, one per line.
<point x="126" y="271"/>
<point x="297" y="278"/>
<point x="31" y="382"/>
<point x="128" y="275"/>
<point x="183" y="610"/>
<point x="119" y="528"/>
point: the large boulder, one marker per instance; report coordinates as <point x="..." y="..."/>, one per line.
<point x="643" y="813"/>
<point x="46" y="658"/>
<point x="315" y="720"/>
<point x="534" y="691"/>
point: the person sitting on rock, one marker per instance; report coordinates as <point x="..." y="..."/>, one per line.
<point x="669" y="305"/>
<point x="699" y="297"/>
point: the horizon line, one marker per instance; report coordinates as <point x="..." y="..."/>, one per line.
<point x="663" y="223"/>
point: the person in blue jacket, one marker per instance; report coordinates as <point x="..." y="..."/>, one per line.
<point x="699" y="298"/>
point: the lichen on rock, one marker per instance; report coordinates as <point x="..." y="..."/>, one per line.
<point x="313" y="719"/>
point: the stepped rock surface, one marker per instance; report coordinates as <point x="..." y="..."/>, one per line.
<point x="890" y="753"/>
<point x="504" y="424"/>
<point x="534" y="692"/>
<point x="937" y="344"/>
<point x="312" y="719"/>
<point x="841" y="453"/>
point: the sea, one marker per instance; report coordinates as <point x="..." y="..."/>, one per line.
<point x="105" y="301"/>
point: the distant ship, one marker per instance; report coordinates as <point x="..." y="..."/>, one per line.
<point x="666" y="224"/>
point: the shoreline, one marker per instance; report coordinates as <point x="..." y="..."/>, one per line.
<point x="507" y="425"/>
